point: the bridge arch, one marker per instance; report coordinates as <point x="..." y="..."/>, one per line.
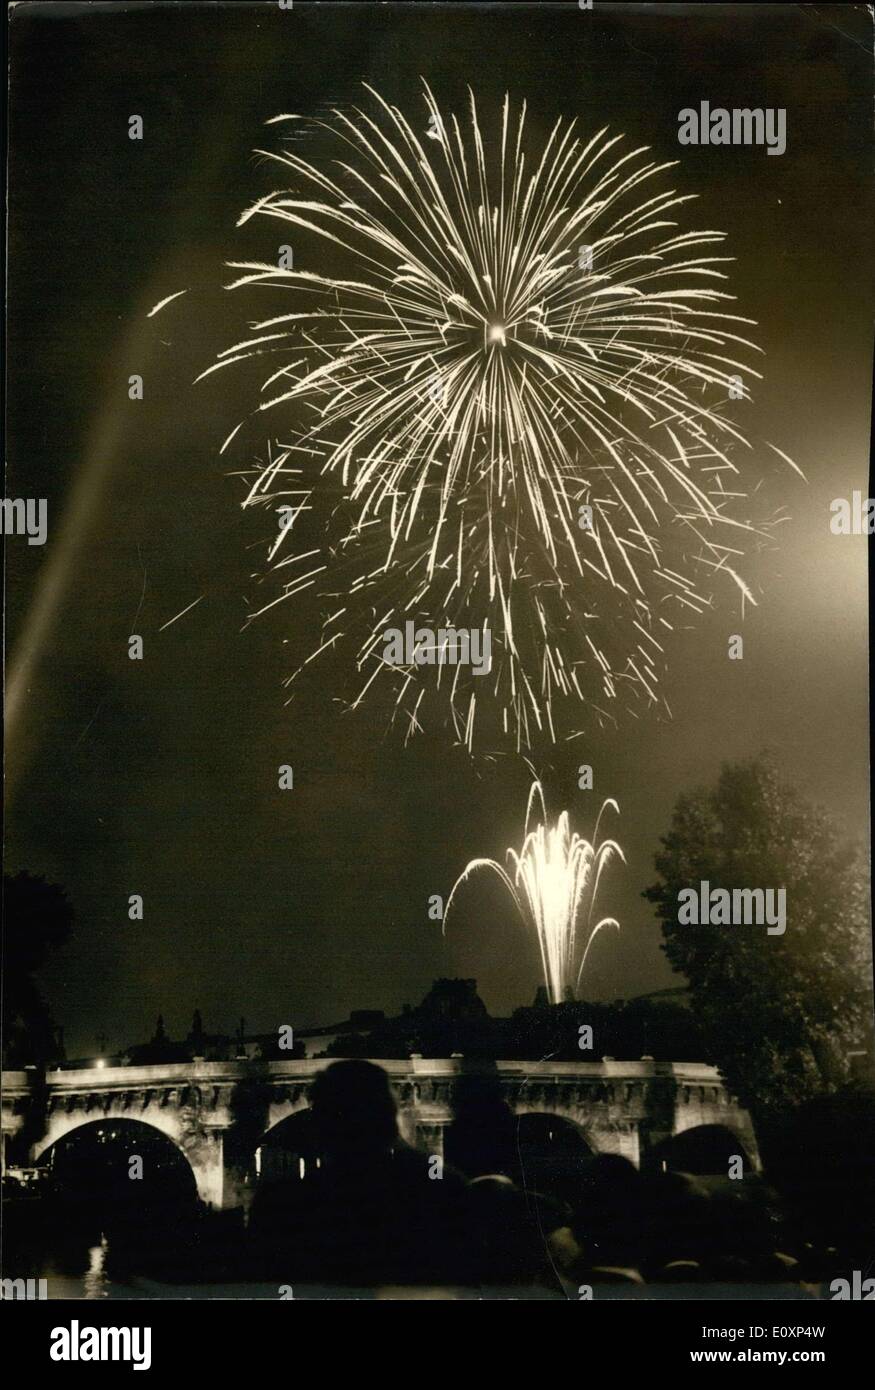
<point x="125" y="1169"/>
<point x="200" y="1151"/>
<point x="553" y="1151"/>
<point x="569" y="1112"/>
<point x="63" y="1124"/>
<point x="289" y="1148"/>
<point x="601" y="1130"/>
<point x="705" y="1150"/>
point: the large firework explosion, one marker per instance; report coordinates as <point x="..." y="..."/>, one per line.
<point x="509" y="413"/>
<point x="553" y="882"/>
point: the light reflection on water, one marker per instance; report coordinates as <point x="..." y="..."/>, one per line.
<point x="94" y="1273"/>
<point x="96" y="1283"/>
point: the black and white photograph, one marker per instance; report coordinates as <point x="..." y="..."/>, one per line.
<point x="436" y="702"/>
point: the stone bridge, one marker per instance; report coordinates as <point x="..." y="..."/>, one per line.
<point x="218" y="1113"/>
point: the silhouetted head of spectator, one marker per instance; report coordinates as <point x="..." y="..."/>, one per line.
<point x="504" y="1245"/>
<point x="482" y="1136"/>
<point x="611" y="1175"/>
<point x="684" y="1222"/>
<point x="609" y="1210"/>
<point x="354" y="1110"/>
<point x="478" y="1093"/>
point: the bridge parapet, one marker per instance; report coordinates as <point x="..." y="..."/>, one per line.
<point x="217" y="1113"/>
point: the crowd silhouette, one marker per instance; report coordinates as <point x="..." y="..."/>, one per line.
<point x="342" y="1206"/>
<point x="376" y="1213"/>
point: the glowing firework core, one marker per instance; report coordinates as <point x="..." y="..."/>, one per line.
<point x="554" y="885"/>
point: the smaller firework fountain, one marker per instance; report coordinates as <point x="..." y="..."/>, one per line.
<point x="554" y="881"/>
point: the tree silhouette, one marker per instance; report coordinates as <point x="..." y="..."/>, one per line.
<point x="781" y="1013"/>
<point x="37" y="917"/>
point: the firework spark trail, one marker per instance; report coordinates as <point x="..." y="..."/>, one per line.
<point x="553" y="883"/>
<point x="476" y="381"/>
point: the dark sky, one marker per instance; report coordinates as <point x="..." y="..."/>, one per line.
<point x="160" y="777"/>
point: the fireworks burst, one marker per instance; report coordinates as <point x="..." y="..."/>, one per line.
<point x="554" y="882"/>
<point x="506" y="411"/>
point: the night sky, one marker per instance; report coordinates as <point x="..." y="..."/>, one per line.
<point x="159" y="777"/>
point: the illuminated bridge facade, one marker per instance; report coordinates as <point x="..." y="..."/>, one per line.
<point x="218" y="1113"/>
